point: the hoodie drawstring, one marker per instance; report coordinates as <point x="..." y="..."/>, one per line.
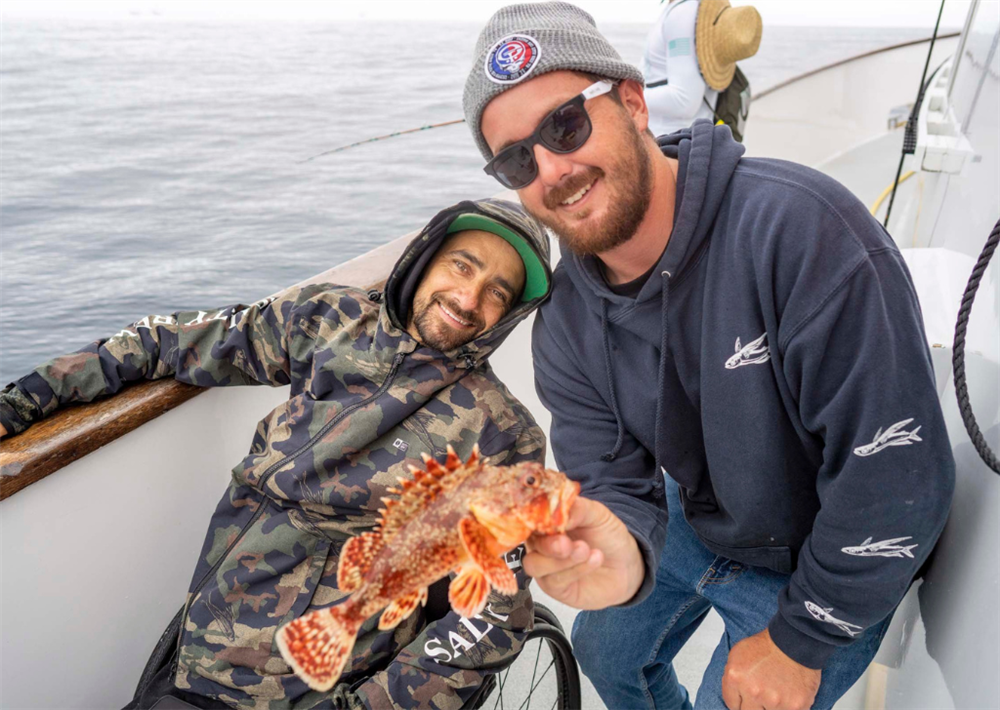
<point x="610" y="456"/>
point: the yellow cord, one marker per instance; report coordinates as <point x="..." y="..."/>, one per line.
<point x="886" y="191"/>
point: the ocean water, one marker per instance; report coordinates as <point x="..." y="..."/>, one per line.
<point x="149" y="166"/>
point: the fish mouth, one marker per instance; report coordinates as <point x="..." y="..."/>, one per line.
<point x="559" y="507"/>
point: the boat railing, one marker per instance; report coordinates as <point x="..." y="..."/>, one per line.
<point x="76" y="431"/>
<point x="854" y="58"/>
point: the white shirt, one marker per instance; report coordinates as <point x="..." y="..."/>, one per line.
<point x="670" y="54"/>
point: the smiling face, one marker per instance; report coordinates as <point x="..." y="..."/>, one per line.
<point x="473" y="280"/>
<point x="595" y="197"/>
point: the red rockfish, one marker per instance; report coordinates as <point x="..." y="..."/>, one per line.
<point x="457" y="517"/>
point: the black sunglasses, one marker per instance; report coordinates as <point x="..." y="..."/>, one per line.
<point x="564" y="130"/>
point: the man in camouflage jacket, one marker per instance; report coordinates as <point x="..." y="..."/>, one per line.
<point x="368" y="396"/>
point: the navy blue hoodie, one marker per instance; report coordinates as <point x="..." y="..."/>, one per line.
<point x="775" y="365"/>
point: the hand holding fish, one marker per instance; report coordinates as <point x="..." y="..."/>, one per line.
<point x="594" y="565"/>
<point x="759" y="675"/>
<point x="456" y="517"/>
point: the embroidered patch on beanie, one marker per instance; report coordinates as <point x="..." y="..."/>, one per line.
<point x="512" y="59"/>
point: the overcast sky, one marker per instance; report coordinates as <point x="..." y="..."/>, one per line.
<point x="849" y="13"/>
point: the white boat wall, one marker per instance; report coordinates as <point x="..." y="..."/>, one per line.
<point x="943" y="649"/>
<point x="97" y="557"/>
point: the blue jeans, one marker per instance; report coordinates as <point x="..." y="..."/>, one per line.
<point x="627" y="652"/>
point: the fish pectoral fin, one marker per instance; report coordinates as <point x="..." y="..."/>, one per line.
<point x="468" y="592"/>
<point x="401" y="608"/>
<point x="319" y="644"/>
<point x="484" y="550"/>
<point x="356" y="559"/>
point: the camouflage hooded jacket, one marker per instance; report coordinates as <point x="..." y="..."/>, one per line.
<point x="366" y="400"/>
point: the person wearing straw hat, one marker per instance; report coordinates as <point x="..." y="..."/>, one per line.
<point x="714" y="356"/>
<point x="691" y="54"/>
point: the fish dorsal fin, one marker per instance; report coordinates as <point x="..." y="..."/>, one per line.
<point x="738" y="346"/>
<point x="415" y="495"/>
<point x="866" y="542"/>
<point x="452" y="462"/>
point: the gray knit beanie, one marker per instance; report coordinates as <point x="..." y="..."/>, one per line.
<point x="531" y="39"/>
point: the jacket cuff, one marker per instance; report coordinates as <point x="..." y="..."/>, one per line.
<point x="798" y="646"/>
<point x="649" y="564"/>
<point x="17" y="410"/>
<point x="646" y="588"/>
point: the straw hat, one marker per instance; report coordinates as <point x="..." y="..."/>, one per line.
<point x="723" y="36"/>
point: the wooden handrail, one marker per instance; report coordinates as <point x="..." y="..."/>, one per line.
<point x="76" y="431"/>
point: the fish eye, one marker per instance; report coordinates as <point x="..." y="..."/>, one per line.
<point x="531" y="480"/>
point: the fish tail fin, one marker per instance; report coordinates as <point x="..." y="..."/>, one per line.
<point x="318" y="645"/>
<point x="913" y="435"/>
<point x="906" y="551"/>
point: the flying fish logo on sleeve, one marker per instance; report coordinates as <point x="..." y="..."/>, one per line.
<point x="882" y="548"/>
<point x="893" y="436"/>
<point x="512" y="59"/>
<point x="826" y="616"/>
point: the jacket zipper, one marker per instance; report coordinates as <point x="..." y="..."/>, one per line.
<point x="263" y="482"/>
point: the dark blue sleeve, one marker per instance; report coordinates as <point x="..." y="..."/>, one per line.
<point x="861" y="372"/>
<point x="583" y="431"/>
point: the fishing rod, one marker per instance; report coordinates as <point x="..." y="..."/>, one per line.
<point x="382" y="138"/>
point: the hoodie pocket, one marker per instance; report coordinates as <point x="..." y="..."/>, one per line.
<point x="303" y="590"/>
<point x="268" y="577"/>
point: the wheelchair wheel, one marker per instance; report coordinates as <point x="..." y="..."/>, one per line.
<point x="544" y="674"/>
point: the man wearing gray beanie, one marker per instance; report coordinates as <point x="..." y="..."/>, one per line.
<point x="712" y="358"/>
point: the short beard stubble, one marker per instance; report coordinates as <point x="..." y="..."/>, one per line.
<point x="442" y="338"/>
<point x="628" y="199"/>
